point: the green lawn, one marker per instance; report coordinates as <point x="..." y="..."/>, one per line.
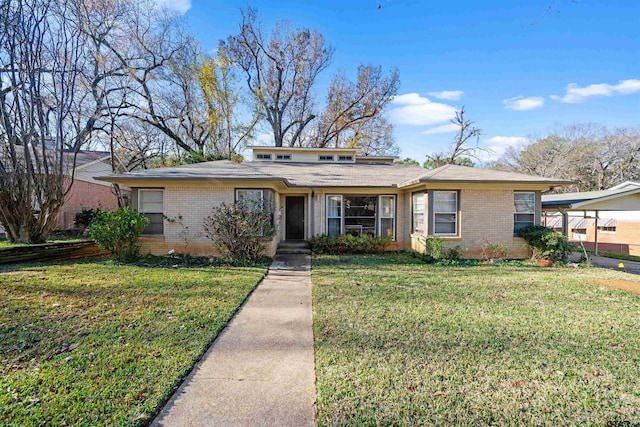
<point x="403" y="343"/>
<point x="101" y="344"/>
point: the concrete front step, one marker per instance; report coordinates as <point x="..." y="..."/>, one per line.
<point x="293" y="251"/>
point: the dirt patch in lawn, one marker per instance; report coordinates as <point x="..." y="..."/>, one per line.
<point x="625" y="285"/>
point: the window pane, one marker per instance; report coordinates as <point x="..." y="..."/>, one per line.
<point x="386" y="227"/>
<point x="417" y="204"/>
<point x="150" y="201"/>
<point x="524" y="202"/>
<point x="445" y="201"/>
<point x="445" y="228"/>
<point x="333" y="206"/>
<point x="156" y="225"/>
<point x="251" y="195"/>
<point x="387" y="206"/>
<point x="333" y="226"/>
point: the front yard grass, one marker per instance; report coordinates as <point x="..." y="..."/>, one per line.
<point x="103" y="344"/>
<point x="402" y="343"/>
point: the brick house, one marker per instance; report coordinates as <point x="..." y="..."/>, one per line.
<point x="335" y="191"/>
<point x="605" y="220"/>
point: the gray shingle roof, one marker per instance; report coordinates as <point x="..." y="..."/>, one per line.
<point x="566" y="199"/>
<point x="329" y="175"/>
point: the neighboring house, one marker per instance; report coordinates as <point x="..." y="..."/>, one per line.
<point x="606" y="220"/>
<point x="335" y="191"/>
<point x="87" y="192"/>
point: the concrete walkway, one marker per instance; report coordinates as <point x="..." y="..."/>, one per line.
<point x="260" y="370"/>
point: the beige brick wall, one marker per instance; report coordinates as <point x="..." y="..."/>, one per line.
<point x="193" y="203"/>
<point x="485" y="216"/>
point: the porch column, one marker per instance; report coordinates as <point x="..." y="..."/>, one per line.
<point x="565" y="222"/>
<point x="595" y="247"/>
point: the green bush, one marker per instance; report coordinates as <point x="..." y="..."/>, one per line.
<point x="85" y="217"/>
<point x="349" y="244"/>
<point x="546" y="243"/>
<point x="493" y="251"/>
<point x="241" y="230"/>
<point x="118" y="232"/>
<point x="436" y="251"/>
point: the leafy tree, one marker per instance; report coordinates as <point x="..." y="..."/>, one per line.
<point x="407" y="161"/>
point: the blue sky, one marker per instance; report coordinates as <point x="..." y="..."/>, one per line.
<point x="520" y="67"/>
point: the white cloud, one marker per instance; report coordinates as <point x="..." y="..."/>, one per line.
<point x="449" y="95"/>
<point x="576" y="94"/>
<point x="497" y="145"/>
<point x="451" y="127"/>
<point x="415" y="110"/>
<point x="179" y="6"/>
<point x="520" y="103"/>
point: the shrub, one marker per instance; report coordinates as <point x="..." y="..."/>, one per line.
<point x="349" y="244"/>
<point x="118" y="232"/>
<point x="546" y="243"/>
<point x="241" y="230"/>
<point x="323" y="244"/>
<point x="435" y="250"/>
<point x="83" y="218"/>
<point x="493" y="251"/>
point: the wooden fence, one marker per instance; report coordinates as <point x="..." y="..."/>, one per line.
<point x="50" y="252"/>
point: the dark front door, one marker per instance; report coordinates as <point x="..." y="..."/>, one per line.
<point x="295" y="218"/>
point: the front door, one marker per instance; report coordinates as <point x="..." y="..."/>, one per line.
<point x="295" y="218"/>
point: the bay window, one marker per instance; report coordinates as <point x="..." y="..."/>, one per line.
<point x="361" y="214"/>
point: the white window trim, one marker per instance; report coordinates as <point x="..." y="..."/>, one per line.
<point x="393" y="217"/>
<point x="524" y="213"/>
<point x="413" y="225"/>
<point x="263" y="156"/>
<point x="341" y="216"/>
<point x="433" y="212"/>
<point x="283" y="157"/>
<point x="327" y="158"/>
<point x="345" y="158"/>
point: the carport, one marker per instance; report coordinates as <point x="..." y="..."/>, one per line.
<point x="623" y="197"/>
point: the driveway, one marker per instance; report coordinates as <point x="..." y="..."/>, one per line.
<point x="632" y="267"/>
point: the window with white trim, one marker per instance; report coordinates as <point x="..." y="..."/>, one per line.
<point x="445" y="213"/>
<point x="261" y="156"/>
<point x="255" y="195"/>
<point x="334" y="215"/>
<point x="361" y="214"/>
<point x="151" y="205"/>
<point x="524" y="209"/>
<point x="345" y="158"/>
<point x="387" y="216"/>
<point x="325" y="158"/>
<point x="417" y="209"/>
<point x="283" y="156"/>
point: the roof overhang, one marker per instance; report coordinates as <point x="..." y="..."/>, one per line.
<point x="623" y="201"/>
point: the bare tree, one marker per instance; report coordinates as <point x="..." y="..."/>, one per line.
<point x="280" y="72"/>
<point x="40" y="65"/>
<point x="589" y="154"/>
<point x="353" y="112"/>
<point x="461" y="152"/>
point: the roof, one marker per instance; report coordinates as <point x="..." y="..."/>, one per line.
<point x="583" y="198"/>
<point x="86" y="157"/>
<point x="309" y="175"/>
<point x="466" y="174"/>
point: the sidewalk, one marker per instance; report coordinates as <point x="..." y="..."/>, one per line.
<point x="260" y="370"/>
